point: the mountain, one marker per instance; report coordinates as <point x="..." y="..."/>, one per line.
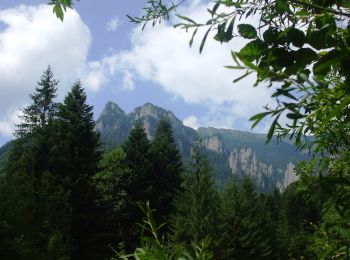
<point x="241" y="154"/>
<point x="114" y="125"/>
<point x="231" y="152"/>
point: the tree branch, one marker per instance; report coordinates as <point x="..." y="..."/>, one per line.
<point x="320" y="7"/>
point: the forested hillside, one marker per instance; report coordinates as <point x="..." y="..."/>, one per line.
<point x="230" y="152"/>
<point x="62" y="197"/>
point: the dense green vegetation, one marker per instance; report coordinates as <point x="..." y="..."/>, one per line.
<point x="63" y="198"/>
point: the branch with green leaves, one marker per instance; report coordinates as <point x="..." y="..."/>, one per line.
<point x="295" y="48"/>
<point x="60" y="7"/>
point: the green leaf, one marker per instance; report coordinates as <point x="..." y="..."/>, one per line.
<point x="272" y="129"/>
<point x="243" y="76"/>
<point x="258" y="117"/>
<point x="252" y="50"/>
<point x="317" y="40"/>
<point x="270" y="35"/>
<point x="282" y="6"/>
<point x="186" y="19"/>
<point x="203" y="40"/>
<point x="294" y="116"/>
<point x="296" y="37"/>
<point x="215" y="8"/>
<point x="193" y="35"/>
<point x="273" y="36"/>
<point x="247" y="31"/>
<point x="58" y="11"/>
<point x="324" y="65"/>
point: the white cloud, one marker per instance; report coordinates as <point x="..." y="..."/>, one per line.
<point x="128" y="81"/>
<point x="191" y="121"/>
<point x="226" y="116"/>
<point x="9" y="121"/>
<point x="161" y="55"/>
<point x="32" y="39"/>
<point x="113" y="24"/>
<point x="94" y="76"/>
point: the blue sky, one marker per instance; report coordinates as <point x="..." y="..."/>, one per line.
<point x="119" y="62"/>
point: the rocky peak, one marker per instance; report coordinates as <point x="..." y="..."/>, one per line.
<point x="149" y="110"/>
<point x="112" y="108"/>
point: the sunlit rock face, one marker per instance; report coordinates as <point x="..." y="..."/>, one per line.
<point x="239" y="154"/>
<point x="230" y="152"/>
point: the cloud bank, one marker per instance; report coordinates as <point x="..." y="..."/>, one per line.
<point x="32" y="39"/>
<point x="161" y="55"/>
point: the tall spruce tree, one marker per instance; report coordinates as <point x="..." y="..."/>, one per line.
<point x="197" y="211"/>
<point x="141" y="178"/>
<point x="43" y="109"/>
<point x="167" y="170"/>
<point x="138" y="159"/>
<point x="230" y="204"/>
<point x="29" y="193"/>
<point x="76" y="162"/>
<point x="247" y="224"/>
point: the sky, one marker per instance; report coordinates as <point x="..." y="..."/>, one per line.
<point x="117" y="61"/>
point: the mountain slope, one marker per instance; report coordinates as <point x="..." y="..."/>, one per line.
<point x="114" y="125"/>
<point x="231" y="152"/>
<point x="241" y="154"/>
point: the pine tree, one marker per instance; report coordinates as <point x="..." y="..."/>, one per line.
<point x="230" y="204"/>
<point x="30" y="194"/>
<point x="112" y="182"/>
<point x="248" y="224"/>
<point x="141" y="178"/>
<point x="138" y="160"/>
<point x="76" y="162"/>
<point x="297" y="216"/>
<point x="197" y="211"/>
<point x="43" y="109"/>
<point x="167" y="170"/>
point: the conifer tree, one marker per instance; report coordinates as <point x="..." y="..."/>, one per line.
<point x="167" y="170"/>
<point x="112" y="182"/>
<point x="138" y="160"/>
<point x="230" y="204"/>
<point x="43" y="109"/>
<point x="196" y="208"/>
<point x="76" y="162"/>
<point x="29" y="192"/>
<point x="248" y="224"/>
<point x="141" y="178"/>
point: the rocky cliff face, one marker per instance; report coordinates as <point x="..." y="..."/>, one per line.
<point x="113" y="125"/>
<point x="230" y="152"/>
<point x="245" y="154"/>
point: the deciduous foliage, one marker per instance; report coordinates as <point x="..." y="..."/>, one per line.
<point x="112" y="185"/>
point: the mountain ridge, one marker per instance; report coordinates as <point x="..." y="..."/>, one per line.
<point x="231" y="152"/>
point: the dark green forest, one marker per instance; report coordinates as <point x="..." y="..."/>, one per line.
<point x="62" y="197"/>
